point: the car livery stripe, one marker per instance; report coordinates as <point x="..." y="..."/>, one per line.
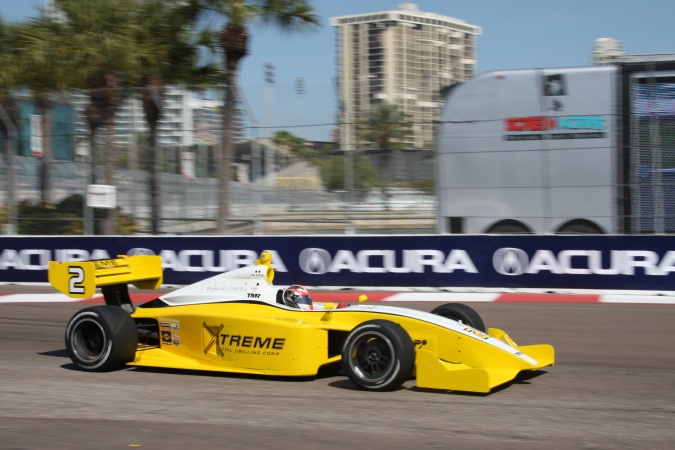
<point x="438" y="297"/>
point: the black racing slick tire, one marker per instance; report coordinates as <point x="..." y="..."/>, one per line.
<point x="461" y="313"/>
<point x="378" y="355"/>
<point x="101" y="338"/>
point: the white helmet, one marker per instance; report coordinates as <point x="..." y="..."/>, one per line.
<point x="297" y="296"/>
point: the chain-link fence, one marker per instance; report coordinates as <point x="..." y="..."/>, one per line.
<point x="297" y="183"/>
<point x="277" y="188"/>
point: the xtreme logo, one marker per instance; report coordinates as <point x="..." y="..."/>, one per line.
<point x="218" y="343"/>
<point x="213" y="332"/>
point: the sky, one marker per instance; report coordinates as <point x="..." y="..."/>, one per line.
<point x="516" y="34"/>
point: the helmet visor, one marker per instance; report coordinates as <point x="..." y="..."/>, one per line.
<point x="303" y="300"/>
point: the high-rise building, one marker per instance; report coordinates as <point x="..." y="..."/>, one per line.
<point x="606" y="51"/>
<point x="610" y="51"/>
<point x="187" y="119"/>
<point x="402" y="57"/>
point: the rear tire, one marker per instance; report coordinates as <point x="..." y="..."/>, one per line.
<point x="101" y="338"/>
<point x="461" y="313"/>
<point x="378" y="355"/>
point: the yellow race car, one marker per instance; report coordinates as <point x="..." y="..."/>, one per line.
<point x="240" y="322"/>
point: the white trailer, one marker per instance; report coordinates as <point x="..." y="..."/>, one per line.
<point x="562" y="150"/>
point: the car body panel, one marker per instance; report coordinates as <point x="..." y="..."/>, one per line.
<point x="235" y="322"/>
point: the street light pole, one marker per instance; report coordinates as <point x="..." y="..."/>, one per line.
<point x="269" y="79"/>
<point x="300" y="91"/>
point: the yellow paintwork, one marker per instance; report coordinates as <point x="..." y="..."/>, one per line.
<point x="263" y="338"/>
<point x="79" y="279"/>
<point x="476" y="367"/>
<point x="266" y="260"/>
<point x="445" y="359"/>
<point x="240" y="337"/>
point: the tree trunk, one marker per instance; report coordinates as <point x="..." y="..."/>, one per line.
<point x="385" y="161"/>
<point x="104" y="101"/>
<point x="109" y="223"/>
<point x="226" y="156"/>
<point x="234" y="41"/>
<point x="46" y="182"/>
<point x="94" y="121"/>
<point x="151" y="98"/>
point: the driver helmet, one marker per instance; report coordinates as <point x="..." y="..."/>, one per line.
<point x="297" y="296"/>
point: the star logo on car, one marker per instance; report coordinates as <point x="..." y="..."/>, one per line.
<point x="214" y="333"/>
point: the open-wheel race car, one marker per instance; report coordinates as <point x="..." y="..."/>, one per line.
<point x="240" y="322"/>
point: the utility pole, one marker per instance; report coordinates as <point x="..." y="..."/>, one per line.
<point x="300" y="91"/>
<point x="269" y="151"/>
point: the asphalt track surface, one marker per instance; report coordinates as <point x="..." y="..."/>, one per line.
<point x="613" y="386"/>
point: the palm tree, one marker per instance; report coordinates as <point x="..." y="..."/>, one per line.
<point x="103" y="53"/>
<point x="101" y="49"/>
<point x="168" y="31"/>
<point x="107" y="45"/>
<point x="386" y="127"/>
<point x="288" y="15"/>
<point x="42" y="73"/>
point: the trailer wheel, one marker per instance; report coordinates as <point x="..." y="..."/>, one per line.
<point x="580" y="227"/>
<point x="101" y="338"/>
<point x="378" y="355"/>
<point x="508" y="227"/>
<point x="461" y="313"/>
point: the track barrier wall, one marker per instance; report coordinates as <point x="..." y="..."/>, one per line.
<point x="435" y="261"/>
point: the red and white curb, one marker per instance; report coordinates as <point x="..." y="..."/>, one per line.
<point x="439" y="297"/>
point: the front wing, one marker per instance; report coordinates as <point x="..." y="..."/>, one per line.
<point x="485" y="370"/>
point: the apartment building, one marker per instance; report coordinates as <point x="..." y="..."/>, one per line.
<point x="188" y="119"/>
<point x="402" y="57"/>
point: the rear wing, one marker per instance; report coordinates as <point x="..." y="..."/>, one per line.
<point x="79" y="279"/>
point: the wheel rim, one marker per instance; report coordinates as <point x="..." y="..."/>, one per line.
<point x="372" y="357"/>
<point x="88" y="341"/>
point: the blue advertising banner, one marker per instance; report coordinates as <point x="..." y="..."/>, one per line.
<point x="542" y="262"/>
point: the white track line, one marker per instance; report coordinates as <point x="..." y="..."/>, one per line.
<point x="443" y="297"/>
<point x="638" y="299"/>
<point x="38" y="298"/>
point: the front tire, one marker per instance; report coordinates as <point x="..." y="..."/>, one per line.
<point x="462" y="314"/>
<point x="101" y="338"/>
<point x="378" y="355"/>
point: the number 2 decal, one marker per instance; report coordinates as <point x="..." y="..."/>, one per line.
<point x="76" y="278"/>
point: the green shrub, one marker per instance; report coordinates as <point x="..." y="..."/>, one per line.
<point x="65" y="218"/>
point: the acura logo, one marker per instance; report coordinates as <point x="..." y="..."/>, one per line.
<point x="510" y="261"/>
<point x="315" y="261"/>
<point x="140" y="251"/>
